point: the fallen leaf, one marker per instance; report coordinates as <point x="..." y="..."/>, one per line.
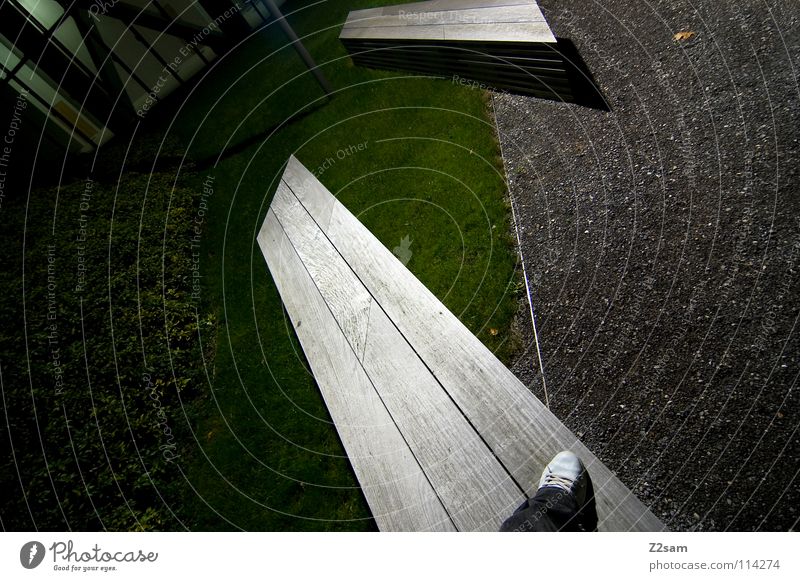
<point x="683" y="35"/>
<point x="493" y="331"/>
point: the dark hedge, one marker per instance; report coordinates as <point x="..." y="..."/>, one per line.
<point x="100" y="353"/>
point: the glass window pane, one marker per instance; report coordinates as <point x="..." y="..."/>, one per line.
<point x="46" y="12"/>
<point x="66" y="135"/>
<point x="45" y="88"/>
<point x="69" y="35"/>
<point x="133" y="53"/>
<point x="9" y="56"/>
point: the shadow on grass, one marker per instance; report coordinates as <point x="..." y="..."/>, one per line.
<point x="260" y="137"/>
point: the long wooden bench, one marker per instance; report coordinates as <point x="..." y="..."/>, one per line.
<point x="440" y="434"/>
<point x="504" y="43"/>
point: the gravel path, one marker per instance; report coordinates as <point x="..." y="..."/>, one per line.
<point x="662" y="245"/>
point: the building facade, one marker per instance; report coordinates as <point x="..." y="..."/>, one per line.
<point x="86" y="69"/>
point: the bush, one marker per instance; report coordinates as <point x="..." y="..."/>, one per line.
<point x="101" y="352"/>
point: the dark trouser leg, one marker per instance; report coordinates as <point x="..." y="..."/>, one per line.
<point x="552" y="509"/>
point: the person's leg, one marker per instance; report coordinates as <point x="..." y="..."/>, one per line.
<point x="550" y="510"/>
<point x="556" y="504"/>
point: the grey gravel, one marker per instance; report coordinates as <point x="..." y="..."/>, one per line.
<point x="662" y="245"/>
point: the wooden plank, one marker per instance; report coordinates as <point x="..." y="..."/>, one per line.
<point x="542" y="67"/>
<point x="476" y="490"/>
<point x="395" y="33"/>
<point x="533" y="32"/>
<point x="400" y="496"/>
<point x="534" y="87"/>
<point x="437" y="6"/>
<point x="348" y="300"/>
<point x="321" y="203"/>
<point x="438" y="27"/>
<point x="520" y="430"/>
<point x="473" y="486"/>
<point x="541" y="82"/>
<point x="508" y="14"/>
<point x="496" y="71"/>
<point x="484" y="50"/>
<point x="529" y="32"/>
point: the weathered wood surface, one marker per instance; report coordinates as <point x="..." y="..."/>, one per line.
<point x="508" y="14"/>
<point x="477" y="434"/>
<point x="504" y="43"/>
<point x="519" y="32"/>
<point x="394" y="484"/>
<point x="438" y="5"/>
<point x="482" y="20"/>
<point x="410" y="393"/>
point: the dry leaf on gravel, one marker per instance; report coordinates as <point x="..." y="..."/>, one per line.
<point x="683" y="35"/>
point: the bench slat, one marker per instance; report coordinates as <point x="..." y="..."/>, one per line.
<point x="474" y="488"/>
<point x="399" y="494"/>
<point x="520" y="430"/>
<point x="439" y="5"/>
<point x="439" y="29"/>
<point x="508" y="14"/>
<point x="528" y="32"/>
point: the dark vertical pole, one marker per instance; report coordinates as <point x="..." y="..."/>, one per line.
<point x="261" y="14"/>
<point x="298" y="46"/>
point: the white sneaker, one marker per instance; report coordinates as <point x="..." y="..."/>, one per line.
<point x="566" y="472"/>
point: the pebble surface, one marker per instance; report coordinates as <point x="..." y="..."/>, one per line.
<point x="661" y="241"/>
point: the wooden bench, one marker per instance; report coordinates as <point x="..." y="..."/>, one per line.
<point x="506" y="44"/>
<point x="440" y="434"/>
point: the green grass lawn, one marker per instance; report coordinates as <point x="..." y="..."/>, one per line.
<point x="267" y="456"/>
